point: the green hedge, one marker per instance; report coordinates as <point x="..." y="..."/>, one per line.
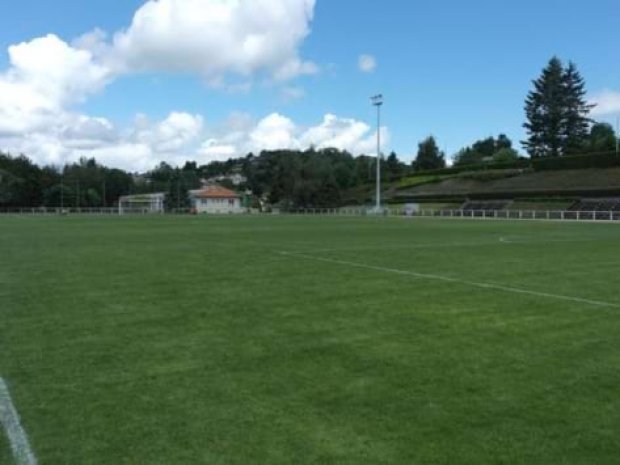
<point x="517" y="164"/>
<point x="591" y="160"/>
<point x="594" y="160"/>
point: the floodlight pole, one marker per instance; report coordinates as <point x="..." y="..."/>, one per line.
<point x="377" y="101"/>
<point x="617" y="135"/>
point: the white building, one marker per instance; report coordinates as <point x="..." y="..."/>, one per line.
<point x="236" y="179"/>
<point x="216" y="200"/>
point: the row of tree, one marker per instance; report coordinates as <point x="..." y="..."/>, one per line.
<point x="557" y="125"/>
<point x="311" y="178"/>
<point x="289" y="178"/>
<point x="598" y="139"/>
<point x="82" y="184"/>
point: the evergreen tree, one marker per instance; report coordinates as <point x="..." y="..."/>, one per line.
<point x="177" y="195"/>
<point x="545" y="109"/>
<point x="486" y="151"/>
<point x="602" y="138"/>
<point x="557" y="112"/>
<point x="429" y="156"/>
<point x="394" y="167"/>
<point x="576" y="123"/>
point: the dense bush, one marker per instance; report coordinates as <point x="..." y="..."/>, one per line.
<point x="520" y="163"/>
<point x="490" y="175"/>
<point x="594" y="160"/>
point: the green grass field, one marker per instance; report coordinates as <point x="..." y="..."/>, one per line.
<point x="281" y="340"/>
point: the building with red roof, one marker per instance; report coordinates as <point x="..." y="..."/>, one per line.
<point x="216" y="200"/>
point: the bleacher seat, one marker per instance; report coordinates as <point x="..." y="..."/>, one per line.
<point x="484" y="206"/>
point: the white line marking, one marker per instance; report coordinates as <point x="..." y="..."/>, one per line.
<point x="434" y="277"/>
<point x="17" y="436"/>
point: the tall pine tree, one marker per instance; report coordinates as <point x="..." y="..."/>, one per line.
<point x="544" y="109"/>
<point x="576" y="125"/>
<point x="429" y="156"/>
<point x="557" y="112"/>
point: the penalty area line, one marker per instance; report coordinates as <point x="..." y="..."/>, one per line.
<point x="9" y="419"/>
<point x="433" y="277"/>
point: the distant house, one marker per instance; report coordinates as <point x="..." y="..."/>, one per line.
<point x="236" y="179"/>
<point x="216" y="200"/>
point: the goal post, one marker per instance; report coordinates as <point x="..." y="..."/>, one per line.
<point x="142" y="204"/>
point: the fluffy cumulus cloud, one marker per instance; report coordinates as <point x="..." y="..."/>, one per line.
<point x="139" y="148"/>
<point x="219" y="40"/>
<point x="276" y="131"/>
<point x="213" y="38"/>
<point x="46" y="75"/>
<point x="607" y="102"/>
<point x="222" y="41"/>
<point x="367" y="63"/>
<point x="172" y="135"/>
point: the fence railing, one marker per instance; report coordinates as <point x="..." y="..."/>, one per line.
<point x="555" y="215"/>
<point x="58" y="211"/>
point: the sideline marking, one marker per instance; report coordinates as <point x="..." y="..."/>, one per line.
<point x="16" y="435"/>
<point x="434" y="277"/>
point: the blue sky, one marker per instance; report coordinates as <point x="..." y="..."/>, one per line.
<point x="457" y="70"/>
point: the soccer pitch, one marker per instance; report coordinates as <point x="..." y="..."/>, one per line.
<point x="305" y="340"/>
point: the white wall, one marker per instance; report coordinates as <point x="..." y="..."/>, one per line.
<point x="218" y="206"/>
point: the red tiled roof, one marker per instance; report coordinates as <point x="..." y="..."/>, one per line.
<point x="216" y="192"/>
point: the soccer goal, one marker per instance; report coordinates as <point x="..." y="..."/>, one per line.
<point x="143" y="204"/>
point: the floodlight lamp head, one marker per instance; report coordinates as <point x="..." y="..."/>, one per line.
<point x="377" y="100"/>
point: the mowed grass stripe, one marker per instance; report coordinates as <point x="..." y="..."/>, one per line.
<point x="434" y="277"/>
<point x="188" y="341"/>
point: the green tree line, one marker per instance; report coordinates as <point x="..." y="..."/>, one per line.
<point x="557" y="125"/>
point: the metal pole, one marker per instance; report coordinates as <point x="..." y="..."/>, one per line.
<point x="378" y="158"/>
<point x="377" y="101"/>
<point x="617" y="135"/>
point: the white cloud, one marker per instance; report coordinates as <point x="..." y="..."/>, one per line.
<point x="85" y="133"/>
<point x="279" y="132"/>
<point x="344" y="134"/>
<point x="183" y="136"/>
<point x="607" y="102"/>
<point x="274" y="132"/>
<point x="45" y="76"/>
<point x="214" y="38"/>
<point x="171" y="135"/>
<point x="214" y="150"/>
<point x="367" y="63"/>
<point x="229" y="43"/>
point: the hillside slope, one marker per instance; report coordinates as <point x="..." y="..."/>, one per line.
<point x="588" y="182"/>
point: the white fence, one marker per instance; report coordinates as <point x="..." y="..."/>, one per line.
<point x="472" y="214"/>
<point x="393" y="212"/>
<point x="69" y="211"/>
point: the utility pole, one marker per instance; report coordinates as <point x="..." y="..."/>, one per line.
<point x="377" y="101"/>
<point x="617" y="135"/>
